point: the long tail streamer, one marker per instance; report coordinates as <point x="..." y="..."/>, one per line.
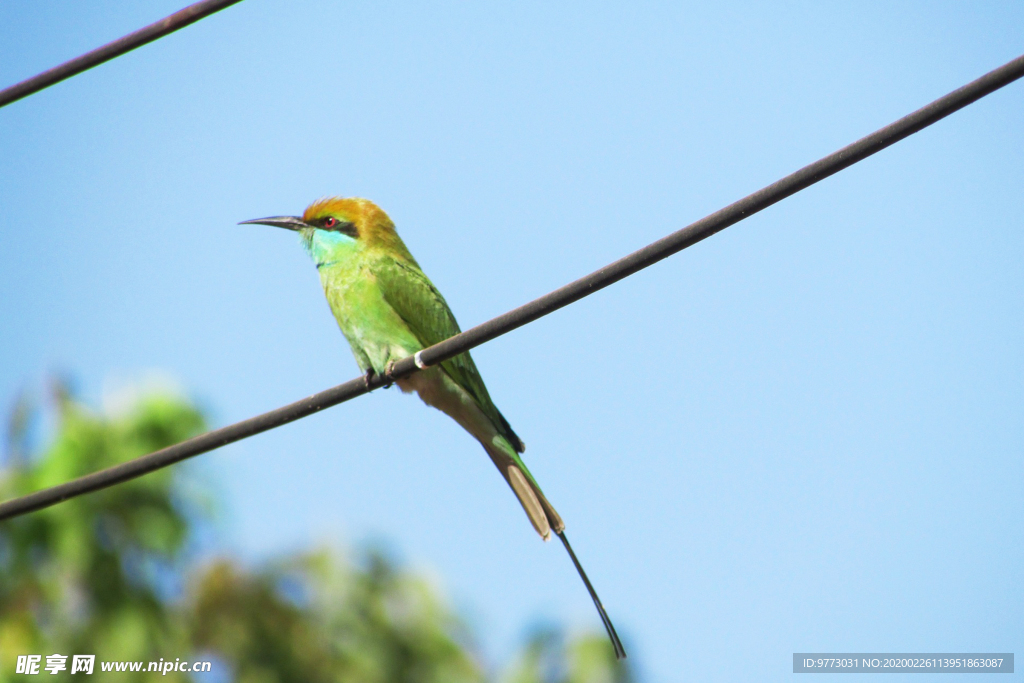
<point x="620" y="652"/>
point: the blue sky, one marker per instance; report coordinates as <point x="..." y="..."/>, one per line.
<point x="803" y="434"/>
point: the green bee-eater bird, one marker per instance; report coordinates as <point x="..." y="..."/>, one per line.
<point x="388" y="310"/>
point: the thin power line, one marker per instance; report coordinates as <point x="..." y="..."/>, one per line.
<point x="148" y="34"/>
<point x="624" y="267"/>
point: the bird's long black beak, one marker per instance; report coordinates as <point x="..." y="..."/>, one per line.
<point x="286" y="222"/>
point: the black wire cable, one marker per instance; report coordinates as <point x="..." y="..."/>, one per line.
<point x="148" y="34"/>
<point x="624" y="267"/>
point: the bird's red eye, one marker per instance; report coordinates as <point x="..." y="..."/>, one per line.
<point x="330" y="222"/>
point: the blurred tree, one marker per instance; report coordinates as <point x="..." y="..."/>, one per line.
<point x="111" y="574"/>
<point x="90" y="575"/>
<point x="317" y="618"/>
<point x="549" y="657"/>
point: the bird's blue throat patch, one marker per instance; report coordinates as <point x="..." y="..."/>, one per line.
<point x="327" y="247"/>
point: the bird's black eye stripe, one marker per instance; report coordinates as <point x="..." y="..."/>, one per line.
<point x="337" y="225"/>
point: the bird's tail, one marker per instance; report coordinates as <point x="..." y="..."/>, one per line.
<point x="544" y="519"/>
<point x="542" y="514"/>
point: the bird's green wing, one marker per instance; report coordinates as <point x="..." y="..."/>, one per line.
<point x="416" y="300"/>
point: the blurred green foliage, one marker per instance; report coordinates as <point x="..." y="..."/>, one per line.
<point x="89" y="576"/>
<point x="113" y="574"/>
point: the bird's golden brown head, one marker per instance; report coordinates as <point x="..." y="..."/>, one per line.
<point x="336" y="228"/>
<point x="366" y="221"/>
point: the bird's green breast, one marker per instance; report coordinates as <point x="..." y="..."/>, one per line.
<point x="376" y="333"/>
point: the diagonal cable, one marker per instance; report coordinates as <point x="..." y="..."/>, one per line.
<point x="148" y="34"/>
<point x="527" y="313"/>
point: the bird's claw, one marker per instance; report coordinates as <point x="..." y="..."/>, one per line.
<point x="367" y="377"/>
<point x="388" y="369"/>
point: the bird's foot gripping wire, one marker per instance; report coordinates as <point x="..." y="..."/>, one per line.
<point x="387" y="374"/>
<point x="370" y="374"/>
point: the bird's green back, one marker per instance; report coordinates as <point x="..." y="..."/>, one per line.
<point x="416" y="300"/>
